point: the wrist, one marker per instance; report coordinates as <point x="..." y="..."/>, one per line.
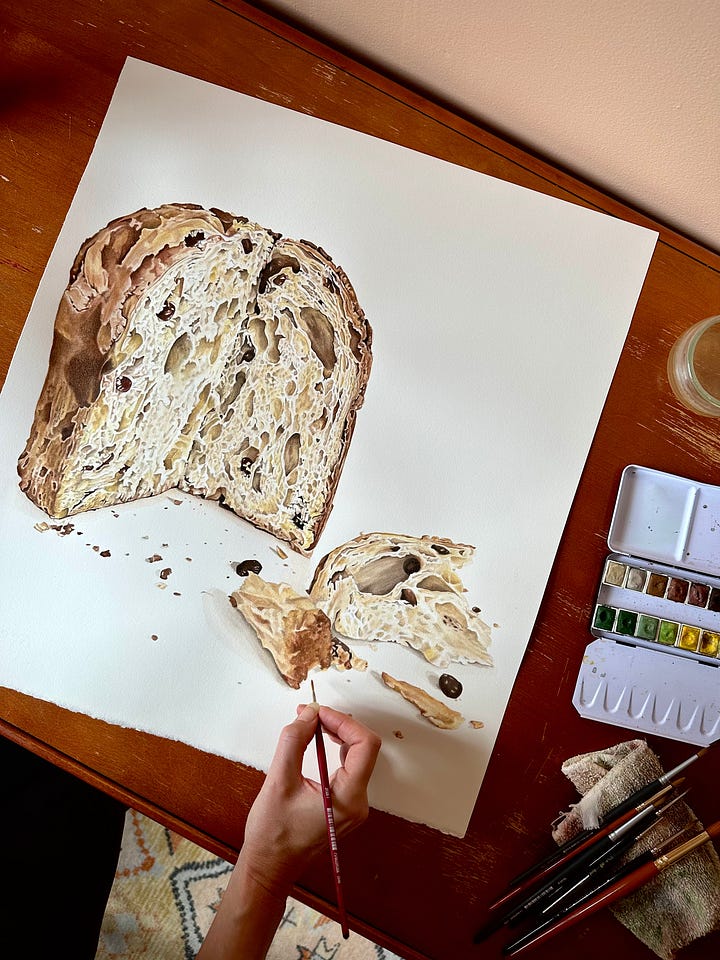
<point x="273" y="884"/>
<point x="249" y="914"/>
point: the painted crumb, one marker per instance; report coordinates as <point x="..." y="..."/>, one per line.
<point x="399" y="734"/>
<point x="164" y="574"/>
<point x="154" y="636"/>
<point x="432" y="709"/>
<point x="477" y="724"/>
<point x="153" y="559"/>
<point x="105" y="553"/>
<point x="280" y="553"/>
<point x="62" y="529"/>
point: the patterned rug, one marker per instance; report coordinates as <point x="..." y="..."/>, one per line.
<point x="165" y="895"/>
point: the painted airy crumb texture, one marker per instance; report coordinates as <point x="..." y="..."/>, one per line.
<point x="194" y="349"/>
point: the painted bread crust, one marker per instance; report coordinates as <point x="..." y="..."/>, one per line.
<point x="438" y="713"/>
<point x="295" y="631"/>
<point x="288" y="625"/>
<point x="196" y="349"/>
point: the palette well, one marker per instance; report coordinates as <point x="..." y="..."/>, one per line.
<point x="656" y="617"/>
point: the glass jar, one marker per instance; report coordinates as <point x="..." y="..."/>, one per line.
<point x="694" y="368"/>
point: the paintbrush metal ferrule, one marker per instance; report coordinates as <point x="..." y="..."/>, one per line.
<point x="662" y="810"/>
<point x="683" y="849"/>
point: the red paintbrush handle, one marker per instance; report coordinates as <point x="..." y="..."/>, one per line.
<point x="330" y="823"/>
<point x="621" y="888"/>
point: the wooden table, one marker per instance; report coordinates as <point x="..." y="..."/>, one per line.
<point x="408" y="887"/>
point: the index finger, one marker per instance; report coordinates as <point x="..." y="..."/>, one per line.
<point x="361" y="743"/>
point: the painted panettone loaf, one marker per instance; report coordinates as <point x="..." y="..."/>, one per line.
<point x="195" y="349"/>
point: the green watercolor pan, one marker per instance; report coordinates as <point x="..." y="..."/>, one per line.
<point x="656" y="617"/>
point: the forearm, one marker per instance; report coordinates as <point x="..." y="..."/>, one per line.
<point x="246" y="921"/>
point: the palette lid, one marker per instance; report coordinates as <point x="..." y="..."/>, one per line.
<point x="659" y="516"/>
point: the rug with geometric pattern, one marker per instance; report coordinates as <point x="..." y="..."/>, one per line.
<point x="165" y="895"/>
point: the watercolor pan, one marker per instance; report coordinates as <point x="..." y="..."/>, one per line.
<point x="656" y="617"/>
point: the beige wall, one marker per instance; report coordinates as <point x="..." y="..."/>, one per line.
<point x="625" y="93"/>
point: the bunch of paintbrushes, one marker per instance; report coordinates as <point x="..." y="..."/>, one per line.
<point x="588" y="872"/>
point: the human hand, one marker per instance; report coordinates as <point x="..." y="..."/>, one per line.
<point x="285" y="827"/>
<point x="286" y="824"/>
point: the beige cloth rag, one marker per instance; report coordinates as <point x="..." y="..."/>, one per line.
<point x="683" y="902"/>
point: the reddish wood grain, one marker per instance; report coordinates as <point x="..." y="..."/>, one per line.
<point x="410" y="888"/>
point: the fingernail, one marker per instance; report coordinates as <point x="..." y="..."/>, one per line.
<point x="309" y="712"/>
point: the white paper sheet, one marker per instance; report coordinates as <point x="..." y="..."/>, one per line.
<point x="498" y="316"/>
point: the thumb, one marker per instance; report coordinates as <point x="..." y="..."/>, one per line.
<point x="293" y="742"/>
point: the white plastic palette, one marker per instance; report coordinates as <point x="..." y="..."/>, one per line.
<point x="654" y="666"/>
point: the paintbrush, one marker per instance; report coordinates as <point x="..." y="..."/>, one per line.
<point x="607" y="848"/>
<point x="597" y="875"/>
<point x="594" y="886"/>
<point x="588" y="842"/>
<point x="531" y="906"/>
<point x="620" y="888"/>
<point x="613" y="846"/>
<point x="330" y="822"/>
<point x="636" y="798"/>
